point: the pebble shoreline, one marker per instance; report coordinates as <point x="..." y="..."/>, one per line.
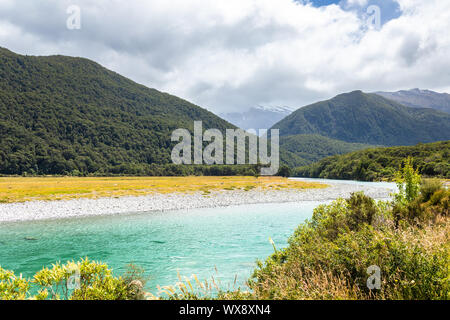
<point x="42" y="210"/>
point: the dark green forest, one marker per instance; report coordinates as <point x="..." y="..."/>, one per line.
<point x="432" y="160"/>
<point x="313" y="147"/>
<point x="63" y="115"/>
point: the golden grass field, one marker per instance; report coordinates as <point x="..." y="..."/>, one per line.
<point x="21" y="189"/>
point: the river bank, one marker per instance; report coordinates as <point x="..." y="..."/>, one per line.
<point x="42" y="210"/>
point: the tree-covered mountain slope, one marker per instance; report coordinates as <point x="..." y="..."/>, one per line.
<point x="64" y="115"/>
<point x="368" y="118"/>
<point x="432" y="159"/>
<point x="61" y="114"/>
<point x="314" y="147"/>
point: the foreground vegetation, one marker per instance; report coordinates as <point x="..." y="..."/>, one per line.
<point x="432" y="160"/>
<point x="84" y="280"/>
<point x="19" y="189"/>
<point x="335" y="255"/>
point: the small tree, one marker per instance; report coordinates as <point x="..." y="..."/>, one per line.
<point x="284" y="171"/>
<point x="408" y="182"/>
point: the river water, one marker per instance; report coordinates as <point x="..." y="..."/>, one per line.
<point x="223" y="243"/>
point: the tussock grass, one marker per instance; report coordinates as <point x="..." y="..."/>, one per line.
<point x="21" y="189"/>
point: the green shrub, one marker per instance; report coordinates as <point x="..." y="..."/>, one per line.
<point x="12" y="287"/>
<point x="429" y="187"/>
<point x="439" y="203"/>
<point x="284" y="171"/>
<point x="135" y="281"/>
<point x="362" y="210"/>
<point x="408" y="183"/>
<point x="84" y="280"/>
<point x="424" y="209"/>
<point x="328" y="257"/>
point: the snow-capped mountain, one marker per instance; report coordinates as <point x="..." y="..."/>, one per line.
<point x="417" y="98"/>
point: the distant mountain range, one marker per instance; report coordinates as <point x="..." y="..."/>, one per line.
<point x="351" y="122"/>
<point x="257" y="117"/>
<point x="417" y="98"/>
<point x="359" y="117"/>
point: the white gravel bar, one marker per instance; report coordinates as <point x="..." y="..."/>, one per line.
<point x="42" y="210"/>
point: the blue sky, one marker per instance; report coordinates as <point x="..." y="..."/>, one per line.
<point x="390" y="9"/>
<point x="319" y="3"/>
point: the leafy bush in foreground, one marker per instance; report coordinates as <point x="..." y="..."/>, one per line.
<point x="85" y="280"/>
<point x="317" y="267"/>
<point x="330" y="256"/>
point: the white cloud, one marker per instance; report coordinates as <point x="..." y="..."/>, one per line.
<point x="357" y="2"/>
<point x="227" y="55"/>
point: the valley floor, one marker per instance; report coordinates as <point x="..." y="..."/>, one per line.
<point x="294" y="191"/>
<point x="21" y="189"/>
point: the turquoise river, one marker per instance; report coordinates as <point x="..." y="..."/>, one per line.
<point x="223" y="243"/>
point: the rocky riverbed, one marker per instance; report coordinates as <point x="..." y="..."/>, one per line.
<point x="41" y="210"/>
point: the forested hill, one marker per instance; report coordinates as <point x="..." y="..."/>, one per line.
<point x="313" y="147"/>
<point x="432" y="159"/>
<point x="368" y="118"/>
<point x="60" y="115"/>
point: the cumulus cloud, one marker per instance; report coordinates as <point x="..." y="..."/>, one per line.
<point x="229" y="55"/>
